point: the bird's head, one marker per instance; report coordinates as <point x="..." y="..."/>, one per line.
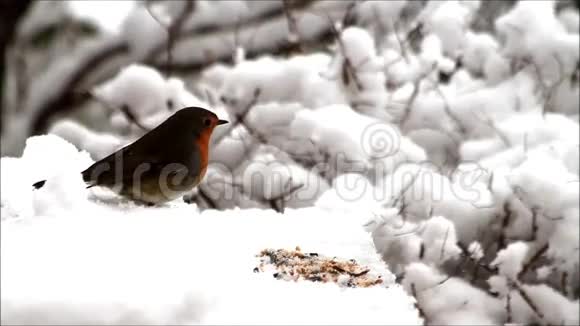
<point x="200" y="120"/>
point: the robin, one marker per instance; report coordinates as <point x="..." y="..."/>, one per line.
<point x="163" y="164"/>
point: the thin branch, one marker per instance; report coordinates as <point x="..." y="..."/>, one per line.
<point x="465" y="253"/>
<point x="348" y="70"/>
<point x="502" y="136"/>
<point x="508" y="309"/>
<point x="240" y="116"/>
<point x="417" y="305"/>
<point x="534" y="231"/>
<point x="406" y="187"/>
<point x="564" y="283"/>
<point x="67" y="98"/>
<point x="173" y="30"/>
<point x="447" y="109"/>
<point x="132" y="118"/>
<point x="203" y="195"/>
<point x="507" y="214"/>
<point x="532" y="260"/>
<point x="414" y="94"/>
<point x="402" y="46"/>
<point x="293" y="34"/>
<point x="524" y="294"/>
<point x="276" y="203"/>
<point x="444" y="243"/>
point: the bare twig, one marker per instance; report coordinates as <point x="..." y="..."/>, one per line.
<point x="414" y="94"/>
<point x="173" y="30"/>
<point x="403" y="47"/>
<point x="564" y="283"/>
<point x="203" y="195"/>
<point x="448" y="111"/>
<point x="417" y="305"/>
<point x="241" y="116"/>
<point x="502" y="136"/>
<point x="277" y="203"/>
<point x="67" y="97"/>
<point x="507" y="214"/>
<point x="21" y="75"/>
<point x="508" y="308"/>
<point x="406" y="187"/>
<point x="532" y="260"/>
<point x="534" y="235"/>
<point x="551" y="91"/>
<point x="444" y="243"/>
<point x="293" y="34"/>
<point x="422" y="251"/>
<point x="348" y="70"/>
<point x="524" y="294"/>
<point x="132" y="118"/>
<point x="465" y="253"/>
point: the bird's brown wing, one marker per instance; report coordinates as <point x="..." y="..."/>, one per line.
<point x="162" y="149"/>
<point x="121" y="166"/>
<point x="135" y="162"/>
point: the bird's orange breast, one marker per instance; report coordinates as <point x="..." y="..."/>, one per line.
<point x="202" y="143"/>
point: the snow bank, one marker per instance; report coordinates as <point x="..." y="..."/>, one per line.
<point x="88" y="257"/>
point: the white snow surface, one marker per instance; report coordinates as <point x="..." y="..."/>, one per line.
<point x="461" y="149"/>
<point x="76" y="256"/>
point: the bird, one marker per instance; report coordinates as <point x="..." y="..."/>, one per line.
<point x="163" y="164"/>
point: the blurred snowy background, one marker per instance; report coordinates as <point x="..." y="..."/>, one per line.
<point x="436" y="141"/>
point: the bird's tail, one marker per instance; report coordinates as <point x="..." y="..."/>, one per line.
<point x="39" y="184"/>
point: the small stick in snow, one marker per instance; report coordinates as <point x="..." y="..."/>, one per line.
<point x="282" y="198"/>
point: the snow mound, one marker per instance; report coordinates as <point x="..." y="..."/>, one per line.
<point x="89" y="259"/>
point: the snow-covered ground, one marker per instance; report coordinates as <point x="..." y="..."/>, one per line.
<point x="89" y="257"/>
<point x="177" y="266"/>
<point x="441" y="156"/>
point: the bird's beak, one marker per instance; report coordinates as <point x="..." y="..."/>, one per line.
<point x="221" y="122"/>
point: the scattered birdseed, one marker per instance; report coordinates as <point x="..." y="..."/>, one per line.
<point x="296" y="265"/>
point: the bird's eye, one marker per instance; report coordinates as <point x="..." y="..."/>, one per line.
<point x="207" y="122"/>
